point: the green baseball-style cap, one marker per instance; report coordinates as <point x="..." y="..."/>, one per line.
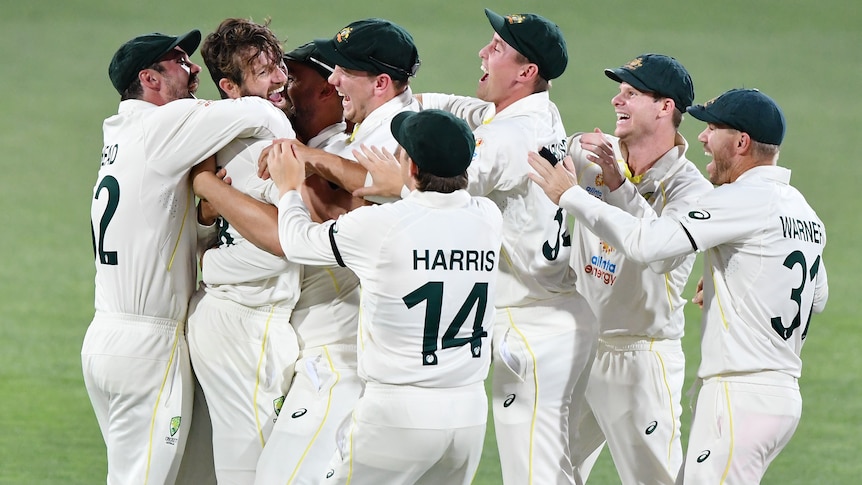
<point x="309" y="55"/>
<point x="657" y="73"/>
<point x="373" y="45"/>
<point x="138" y="53"/>
<point x="747" y="110"/>
<point x="438" y="142"/>
<point x="536" y="38"/>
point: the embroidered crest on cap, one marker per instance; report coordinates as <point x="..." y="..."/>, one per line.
<point x="343" y="35"/>
<point x="515" y="19"/>
<point x="634" y="63"/>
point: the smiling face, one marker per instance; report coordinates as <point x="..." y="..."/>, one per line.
<point x="718" y="143"/>
<point x="637" y="113"/>
<point x="357" y="91"/>
<point x="265" y="76"/>
<point x="180" y="75"/>
<point x="501" y="66"/>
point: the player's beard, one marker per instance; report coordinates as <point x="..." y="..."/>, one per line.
<point x="719" y="169"/>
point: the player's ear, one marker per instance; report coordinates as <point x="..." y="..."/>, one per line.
<point x="529" y="72"/>
<point x="229" y="87"/>
<point x="743" y="142"/>
<point x="149" y="79"/>
<point x="382" y="82"/>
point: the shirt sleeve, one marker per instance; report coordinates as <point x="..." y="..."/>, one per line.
<point x="240" y="263"/>
<point x="472" y="110"/>
<point x="642" y="240"/>
<point x="193" y="130"/>
<point x="302" y="240"/>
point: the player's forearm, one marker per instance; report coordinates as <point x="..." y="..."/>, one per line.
<point x="345" y="173"/>
<point x="255" y="220"/>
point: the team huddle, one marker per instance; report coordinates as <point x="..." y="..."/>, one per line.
<point x="310" y="280"/>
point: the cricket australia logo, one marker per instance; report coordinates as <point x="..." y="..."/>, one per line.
<point x="343" y="34"/>
<point x="174" y="428"/>
<point x="515" y="18"/>
<point x="634" y="63"/>
<point x="277" y="403"/>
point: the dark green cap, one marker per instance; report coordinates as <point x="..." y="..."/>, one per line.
<point x="536" y="38"/>
<point x="138" y="53"/>
<point x="438" y="142"/>
<point x="659" y="74"/>
<point x="746" y="110"/>
<point x="373" y="45"/>
<point x="309" y="55"/>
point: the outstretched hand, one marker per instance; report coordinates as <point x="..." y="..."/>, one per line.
<point x="600" y="151"/>
<point x="285" y="169"/>
<point x="553" y="179"/>
<point x="385" y="172"/>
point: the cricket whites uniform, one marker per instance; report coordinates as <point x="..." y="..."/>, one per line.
<point x="428" y="267"/>
<point x="325" y="385"/>
<point x="634" y="390"/>
<point x="241" y="344"/>
<point x="145" y="236"/>
<point x="541" y="344"/>
<point x="764" y="277"/>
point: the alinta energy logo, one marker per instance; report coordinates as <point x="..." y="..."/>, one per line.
<point x="597" y="191"/>
<point x="601" y="266"/>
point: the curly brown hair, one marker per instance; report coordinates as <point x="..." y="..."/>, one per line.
<point x="234" y="46"/>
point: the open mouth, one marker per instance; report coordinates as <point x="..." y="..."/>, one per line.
<point x="277" y="97"/>
<point x="622" y="117"/>
<point x="484" y="74"/>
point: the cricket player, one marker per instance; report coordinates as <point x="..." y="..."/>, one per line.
<point x="544" y="331"/>
<point x="241" y="343"/>
<point x="764" y="277"/>
<point x="295" y="452"/>
<point x="634" y="390"/>
<point x="373" y="62"/>
<point x="145" y="239"/>
<point x="428" y="267"/>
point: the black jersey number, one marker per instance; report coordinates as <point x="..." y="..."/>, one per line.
<point x="110" y="185"/>
<point x="432" y="293"/>
<point x="796" y="258"/>
<point x="562" y="238"/>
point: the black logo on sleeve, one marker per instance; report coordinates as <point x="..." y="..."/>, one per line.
<point x="299" y="413"/>
<point x="703" y="456"/>
<point x="509" y="400"/>
<point x="652" y="426"/>
<point x="699" y="215"/>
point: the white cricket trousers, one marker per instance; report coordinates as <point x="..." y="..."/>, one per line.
<point x="740" y="424"/>
<point x="243" y="358"/>
<point x="633" y="400"/>
<point x="137" y="373"/>
<point x="412" y="435"/>
<point x="321" y="398"/>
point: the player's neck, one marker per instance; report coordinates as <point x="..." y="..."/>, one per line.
<point x="642" y="154"/>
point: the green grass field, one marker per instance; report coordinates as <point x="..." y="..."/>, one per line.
<point x="56" y="93"/>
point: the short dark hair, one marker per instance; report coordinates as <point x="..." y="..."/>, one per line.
<point x="135" y="90"/>
<point x="235" y="45"/>
<point x="428" y="182"/>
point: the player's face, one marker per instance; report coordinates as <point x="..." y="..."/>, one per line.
<point x="265" y="78"/>
<point x="356" y="89"/>
<point x="718" y="143"/>
<point x="637" y="113"/>
<point x="303" y="86"/>
<point x="501" y="65"/>
<point x="180" y="75"/>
